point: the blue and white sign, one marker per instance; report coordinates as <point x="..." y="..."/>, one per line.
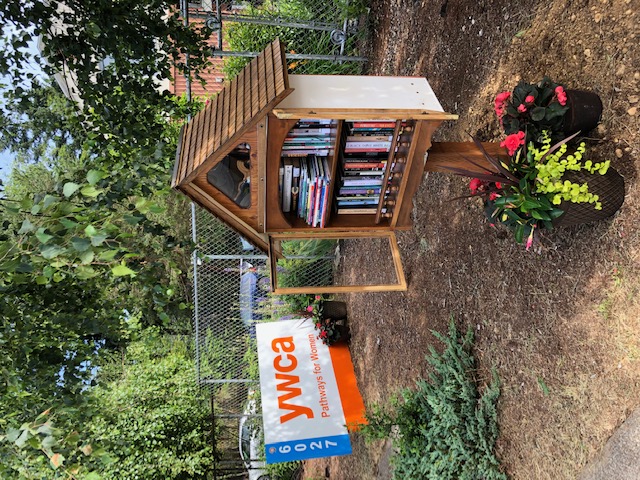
<point x="307" y="391"/>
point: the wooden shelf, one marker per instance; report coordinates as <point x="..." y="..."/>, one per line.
<point x="398" y="185"/>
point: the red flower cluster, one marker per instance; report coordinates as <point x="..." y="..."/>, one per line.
<point x="474" y="185"/>
<point x="513" y="142"/>
<point x="561" y="95"/>
<point x="501" y="102"/>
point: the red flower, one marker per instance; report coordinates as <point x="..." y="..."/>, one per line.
<point x="498" y="185"/>
<point x="502" y="97"/>
<point x="562" y="99"/>
<point x="500" y="101"/>
<point x="522" y="108"/>
<point x="513" y="142"/>
<point x="474" y="184"/>
<point x="493" y="196"/>
<point x="318" y="325"/>
<point x="562" y="95"/>
<point x="318" y="297"/>
<point x="530" y="99"/>
<point x="530" y="239"/>
<point x="323" y="334"/>
<point x="309" y="308"/>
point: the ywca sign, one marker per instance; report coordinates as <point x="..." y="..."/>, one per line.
<point x="309" y="393"/>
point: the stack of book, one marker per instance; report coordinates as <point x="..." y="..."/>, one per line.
<point x="309" y="136"/>
<point x="305" y="173"/>
<point x="363" y="165"/>
<point x="313" y="197"/>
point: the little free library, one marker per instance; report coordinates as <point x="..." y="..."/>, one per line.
<point x="279" y="157"/>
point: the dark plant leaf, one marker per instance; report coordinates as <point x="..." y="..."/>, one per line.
<point x="537" y="114"/>
<point x="495" y="162"/>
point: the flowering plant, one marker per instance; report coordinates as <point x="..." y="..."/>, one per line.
<point x="330" y="330"/>
<point x="530" y="109"/>
<point x="525" y="193"/>
<point x="314" y="306"/>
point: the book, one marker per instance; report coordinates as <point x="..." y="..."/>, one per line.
<point x="363" y="173"/>
<point x="369" y="138"/>
<point x="359" y="181"/>
<point x="286" y="186"/>
<point x="358" y="197"/>
<point x="359" y="190"/>
<point x="368" y="145"/>
<point x="365" y="156"/>
<point x="303" y="146"/>
<point x="357" y="167"/>
<point x="295" y="184"/>
<point x="357" y="203"/>
<point x="304" y="153"/>
<point x="373" y="124"/>
<point x="295" y="132"/>
<point x="356" y="211"/>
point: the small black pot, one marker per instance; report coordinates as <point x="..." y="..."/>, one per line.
<point x="334" y="310"/>
<point x="585" y="111"/>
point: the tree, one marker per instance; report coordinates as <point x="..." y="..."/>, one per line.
<point x="87" y="243"/>
<point x="153" y="420"/>
<point x="144" y="419"/>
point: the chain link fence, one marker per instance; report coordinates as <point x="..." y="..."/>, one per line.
<point x="231" y="278"/>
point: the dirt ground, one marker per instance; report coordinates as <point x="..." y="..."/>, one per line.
<point x="560" y="324"/>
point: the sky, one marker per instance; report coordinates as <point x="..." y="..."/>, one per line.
<point x="6" y="158"/>
<point x="5" y="164"/>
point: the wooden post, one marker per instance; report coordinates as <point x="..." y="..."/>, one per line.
<point x="458" y="154"/>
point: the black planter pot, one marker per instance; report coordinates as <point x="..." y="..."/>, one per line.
<point x="334" y="310"/>
<point x="585" y="111"/>
<point x="610" y="190"/>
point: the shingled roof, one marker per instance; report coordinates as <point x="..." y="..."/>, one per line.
<point x="216" y="129"/>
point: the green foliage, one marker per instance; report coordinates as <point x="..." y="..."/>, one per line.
<point x="92" y="248"/>
<point x="445" y="428"/>
<point x="310" y="263"/>
<point x="284" y="470"/>
<point x="153" y="420"/>
<point x="145" y="418"/>
<point x="254" y="38"/>
<point x="39" y="449"/>
<point x="552" y="166"/>
<point x="110" y="48"/>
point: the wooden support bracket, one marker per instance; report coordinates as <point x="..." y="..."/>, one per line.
<point x="458" y="154"/>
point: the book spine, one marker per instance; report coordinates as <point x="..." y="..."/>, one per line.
<point x="304" y="153"/>
<point x="363" y="165"/>
<point x="295" y="132"/>
<point x="369" y="138"/>
<point x="356" y="211"/>
<point x="359" y="191"/>
<point x="366" y="145"/>
<point x="286" y="188"/>
<point x="365" y="124"/>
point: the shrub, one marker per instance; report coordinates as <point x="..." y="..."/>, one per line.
<point x="445" y="428"/>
